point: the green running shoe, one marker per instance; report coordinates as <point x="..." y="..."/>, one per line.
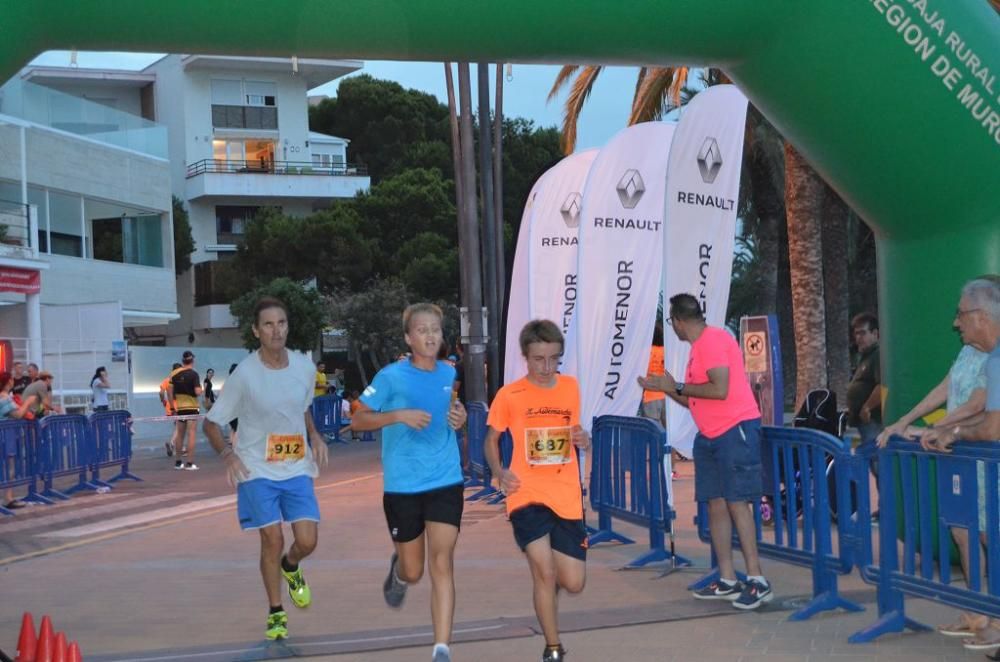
<point x="277" y="626"/>
<point x="298" y="590"/>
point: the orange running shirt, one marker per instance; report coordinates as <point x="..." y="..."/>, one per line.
<point x="544" y="459"/>
<point x="656" y="367"/>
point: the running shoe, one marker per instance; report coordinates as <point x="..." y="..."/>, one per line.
<point x="14" y="504"/>
<point x="554" y="654"/>
<point x="190" y="466"/>
<point x="170" y="448"/>
<point x="277" y="626"/>
<point x="298" y="590"/>
<point x="393" y="589"/>
<point x="719" y="590"/>
<point x="754" y="594"/>
<point x="179" y="465"/>
<point x="442" y="655"/>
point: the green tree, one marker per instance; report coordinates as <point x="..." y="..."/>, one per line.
<point x="306" y="314"/>
<point x="183" y="239"/>
<point x="372" y="319"/>
<point x="327" y="246"/>
<point x="383" y="120"/>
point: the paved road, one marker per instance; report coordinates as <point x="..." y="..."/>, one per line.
<point x="159" y="570"/>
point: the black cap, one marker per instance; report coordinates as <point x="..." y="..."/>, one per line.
<point x="188" y="354"/>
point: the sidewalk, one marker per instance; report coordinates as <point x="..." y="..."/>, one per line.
<point x="188" y="588"/>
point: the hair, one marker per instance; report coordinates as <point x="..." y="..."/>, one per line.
<point x="210" y="370"/>
<point x="264" y="303"/>
<point x="985" y="293"/>
<point x="175" y="366"/>
<point x="867" y="319"/>
<point x="97" y="374"/>
<point x="685" y="307"/>
<point x="418" y="308"/>
<point x="5" y="378"/>
<point x="33" y="365"/>
<point x="540" y="331"/>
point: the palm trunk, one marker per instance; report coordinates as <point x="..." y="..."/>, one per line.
<point x="358" y="362"/>
<point x="456" y="157"/>
<point x="804" y="204"/>
<point x="835" y="293"/>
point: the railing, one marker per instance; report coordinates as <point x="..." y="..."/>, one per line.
<point x="244" y="117"/>
<point x="265" y="167"/>
<point x="15" y="227"/>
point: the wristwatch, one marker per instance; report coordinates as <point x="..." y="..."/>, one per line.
<point x="679" y="388"/>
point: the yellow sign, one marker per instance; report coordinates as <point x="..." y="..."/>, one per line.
<point x="754" y="351"/>
<point x="285" y="447"/>
<point x="548" y="445"/>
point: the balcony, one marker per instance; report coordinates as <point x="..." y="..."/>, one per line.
<point x="17" y="229"/>
<point x="244" y="117"/>
<point x="273" y="179"/>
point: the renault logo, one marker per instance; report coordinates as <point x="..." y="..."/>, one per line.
<point x="630" y="188"/>
<point x="570" y="210"/>
<point x="709" y="160"/>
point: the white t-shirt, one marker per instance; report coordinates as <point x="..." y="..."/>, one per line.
<point x="270" y="404"/>
<point x="100" y="393"/>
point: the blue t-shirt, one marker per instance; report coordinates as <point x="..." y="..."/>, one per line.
<point x="6" y="406"/>
<point x="993" y="380"/>
<point x="416" y="460"/>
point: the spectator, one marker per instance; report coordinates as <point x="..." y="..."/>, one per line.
<point x="978" y="320"/>
<point x="184" y="389"/>
<point x="168" y="407"/>
<point x="208" y="393"/>
<point x="654" y="402"/>
<point x="21" y="380"/>
<point x="864" y="392"/>
<point x="99" y="387"/>
<point x="338" y="381"/>
<point x="41" y="390"/>
<point x="727" y="462"/>
<point x="9" y="409"/>
<point x="321" y="381"/>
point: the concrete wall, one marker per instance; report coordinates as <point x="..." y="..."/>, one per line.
<point x="72" y="279"/>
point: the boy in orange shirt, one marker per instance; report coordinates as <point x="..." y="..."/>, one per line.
<point x="544" y="496"/>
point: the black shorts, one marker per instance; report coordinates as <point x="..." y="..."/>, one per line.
<point x="534" y="521"/>
<point x="188" y="411"/>
<point x="407" y="514"/>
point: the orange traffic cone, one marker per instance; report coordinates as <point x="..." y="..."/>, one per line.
<point x="46" y="642"/>
<point x="27" y="642"/>
<point x="59" y="650"/>
<point x="73" y="654"/>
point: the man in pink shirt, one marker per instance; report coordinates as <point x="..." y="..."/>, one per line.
<point x="727" y="461"/>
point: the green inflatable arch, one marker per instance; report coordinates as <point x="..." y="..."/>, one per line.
<point x="896" y="102"/>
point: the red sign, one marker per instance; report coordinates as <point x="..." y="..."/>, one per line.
<point x="23" y="281"/>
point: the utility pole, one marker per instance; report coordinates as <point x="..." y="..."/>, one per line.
<point x="475" y="340"/>
<point x="489" y="233"/>
<point x="501" y="262"/>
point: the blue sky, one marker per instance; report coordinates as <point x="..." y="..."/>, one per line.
<point x="604" y="115"/>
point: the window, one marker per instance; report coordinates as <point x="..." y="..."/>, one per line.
<point x="65" y="224"/>
<point x="129" y="239"/>
<point x="232" y="220"/>
<point x="244" y="104"/>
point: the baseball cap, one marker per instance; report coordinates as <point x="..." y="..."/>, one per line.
<point x="188" y="354"/>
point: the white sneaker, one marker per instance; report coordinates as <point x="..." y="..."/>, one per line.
<point x="190" y="466"/>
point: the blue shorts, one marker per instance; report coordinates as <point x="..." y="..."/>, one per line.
<point x="729" y="466"/>
<point x="262" y="502"/>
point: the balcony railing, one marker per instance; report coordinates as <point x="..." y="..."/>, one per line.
<point x="15" y="229"/>
<point x="274" y="168"/>
<point x="244" y="117"/>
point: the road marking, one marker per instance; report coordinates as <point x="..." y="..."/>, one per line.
<point x="141" y="518"/>
<point x="152" y="525"/>
<point x="66" y="514"/>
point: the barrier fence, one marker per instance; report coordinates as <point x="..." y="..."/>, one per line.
<point x="328" y="416"/>
<point x="40" y="452"/>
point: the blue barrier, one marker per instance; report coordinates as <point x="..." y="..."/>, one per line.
<point x="110" y="445"/>
<point x="64" y="450"/>
<point x="326" y="415"/>
<point x="797" y="464"/>
<point x="479" y="471"/>
<point x="19" y="459"/>
<point x="627" y="482"/>
<point x="961" y="477"/>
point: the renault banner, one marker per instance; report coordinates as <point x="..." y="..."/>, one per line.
<point x="553" y="251"/>
<point x="519" y="301"/>
<point x="703" y="184"/>
<point x="619" y="260"/>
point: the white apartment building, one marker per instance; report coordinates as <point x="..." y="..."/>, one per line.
<point x="234" y="132"/>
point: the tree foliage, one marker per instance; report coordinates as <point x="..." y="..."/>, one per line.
<point x="373" y="319"/>
<point x="183" y="239"/>
<point x="306" y="314"/>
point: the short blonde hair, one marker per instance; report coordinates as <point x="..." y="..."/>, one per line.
<point x="540" y="331"/>
<point x="416" y="309"/>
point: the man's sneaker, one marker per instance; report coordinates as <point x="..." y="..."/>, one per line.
<point x="719" y="590"/>
<point x="442" y="654"/>
<point x="754" y="594"/>
<point x="557" y="654"/>
<point x="277" y="626"/>
<point x="190" y="466"/>
<point x="298" y="590"/>
<point x="179" y="464"/>
<point x="170" y="448"/>
<point x="393" y="589"/>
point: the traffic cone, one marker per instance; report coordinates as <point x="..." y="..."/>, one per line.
<point x="46" y="642"/>
<point x="73" y="654"/>
<point x="27" y="641"/>
<point x="59" y="651"/>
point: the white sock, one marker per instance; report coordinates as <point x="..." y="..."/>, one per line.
<point x="395" y="573"/>
<point x="758" y="578"/>
<point x="729" y="582"/>
<point x="440" y="647"/>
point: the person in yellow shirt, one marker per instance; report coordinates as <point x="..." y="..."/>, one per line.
<point x="321" y="383"/>
<point x="544" y="495"/>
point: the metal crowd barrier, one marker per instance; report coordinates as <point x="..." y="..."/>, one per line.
<point x="797" y="465"/>
<point x="479" y="471"/>
<point x="110" y="445"/>
<point x="326" y="417"/>
<point x="627" y="482"/>
<point x="921" y="566"/>
<point x="60" y="446"/>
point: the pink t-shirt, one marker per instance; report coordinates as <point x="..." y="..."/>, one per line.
<point x="715" y="348"/>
